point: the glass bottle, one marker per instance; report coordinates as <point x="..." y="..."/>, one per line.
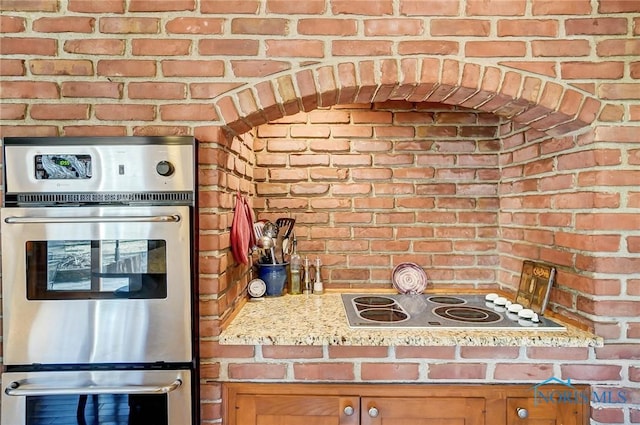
<point x="295" y="270"/>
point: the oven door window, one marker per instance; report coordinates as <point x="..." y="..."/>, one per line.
<point x="100" y="409"/>
<point x="96" y="269"/>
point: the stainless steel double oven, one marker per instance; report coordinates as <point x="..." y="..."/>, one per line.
<point x="98" y="281"/>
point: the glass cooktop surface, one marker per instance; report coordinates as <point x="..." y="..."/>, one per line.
<point x="435" y="311"/>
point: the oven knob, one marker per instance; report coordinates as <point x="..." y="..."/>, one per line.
<point x="165" y="168"/>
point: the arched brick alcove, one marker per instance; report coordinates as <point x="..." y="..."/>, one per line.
<point x="530" y="100"/>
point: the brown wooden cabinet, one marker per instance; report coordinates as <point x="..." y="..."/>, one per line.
<point x="529" y="411"/>
<point x="393" y="404"/>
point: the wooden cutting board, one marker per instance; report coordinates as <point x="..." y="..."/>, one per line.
<point x="536" y="281"/>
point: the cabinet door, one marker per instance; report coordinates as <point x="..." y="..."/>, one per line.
<point x="525" y="411"/>
<point x="423" y="411"/>
<point x="276" y="409"/>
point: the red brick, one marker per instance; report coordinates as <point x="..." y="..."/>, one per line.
<point x="617" y="133"/>
<point x="308" y="7"/>
<point x="393" y="27"/>
<point x="94" y="131"/>
<point x="618" y="47"/>
<point x="341" y="351"/>
<point x="64" y="24"/>
<point x="320" y="26"/>
<point x="160" y="47"/>
<point x="192" y="68"/>
<point x="361" y="48"/>
<point x="239" y="47"/>
<point x="95" y="46"/>
<point x="617" y="6"/>
<point x="323" y="371"/>
<point x="12" y="67"/>
<point x="30" y="5"/>
<point x="190" y="112"/>
<point x="460" y="27"/>
<point x="608" y="221"/>
<point x="609" y="178"/>
<point x="60" y="67"/>
<point x="28" y="46"/>
<point x="608" y="415"/>
<point x="389" y="371"/>
<point x="60" y="112"/>
<point x="295" y="48"/>
<point x="157" y="91"/>
<point x="619" y="91"/>
<point x="258" y="68"/>
<point x="381" y="7"/>
<point x="129" y="25"/>
<point x="230" y="6"/>
<point x="10" y="111"/>
<point x="429" y="8"/>
<point x="439" y="47"/>
<point x="619" y="351"/>
<point x="264" y="26"/>
<point x="291" y="352"/>
<point x="127" y="68"/>
<point x="30" y="130"/>
<point x="527" y="28"/>
<point x="219" y="351"/>
<point x="28" y="90"/>
<point x="592" y="372"/>
<point x="103" y="6"/>
<point x="92" y="89"/>
<point x="161" y="5"/>
<point x="463" y="371"/>
<point x="123" y="112"/>
<point x="251" y="371"/>
<point x="553" y="353"/>
<point x="195" y="26"/>
<point x="10" y="24"/>
<point x="523" y="371"/>
<point x="591" y="70"/>
<point x="489" y="352"/>
<point x="553" y="7"/>
<point x="495" y="48"/>
<point x="596" y="26"/>
<point x="633" y="243"/>
<point x="558" y="48"/>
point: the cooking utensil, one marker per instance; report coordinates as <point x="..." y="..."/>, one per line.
<point x="278" y="244"/>
<point x="287" y="223"/>
<point x="257" y="229"/>
<point x="270" y="229"/>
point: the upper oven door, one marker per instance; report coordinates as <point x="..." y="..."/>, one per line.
<point x="96" y="285"/>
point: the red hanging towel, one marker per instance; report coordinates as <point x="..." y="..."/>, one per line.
<point x="241" y="230"/>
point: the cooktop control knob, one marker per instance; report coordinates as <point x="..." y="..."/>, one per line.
<point x="165" y="168"/>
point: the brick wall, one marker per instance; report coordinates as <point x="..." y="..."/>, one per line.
<point x="553" y="85"/>
<point x="372" y="185"/>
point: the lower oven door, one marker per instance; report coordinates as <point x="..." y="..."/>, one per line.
<point x="87" y="285"/>
<point x="153" y="397"/>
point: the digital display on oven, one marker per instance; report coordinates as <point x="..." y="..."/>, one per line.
<point x="63" y="167"/>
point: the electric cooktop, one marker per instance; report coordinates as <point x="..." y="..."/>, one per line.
<point x="435" y="311"/>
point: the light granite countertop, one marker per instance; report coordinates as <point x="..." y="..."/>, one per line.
<point x="321" y="320"/>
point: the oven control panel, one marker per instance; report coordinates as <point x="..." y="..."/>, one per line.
<point x="116" y="166"/>
<point x="62" y="167"/>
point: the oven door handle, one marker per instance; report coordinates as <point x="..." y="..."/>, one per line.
<point x="113" y="219"/>
<point x="23" y="390"/>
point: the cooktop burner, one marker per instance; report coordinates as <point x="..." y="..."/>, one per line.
<point x="434" y="311"/>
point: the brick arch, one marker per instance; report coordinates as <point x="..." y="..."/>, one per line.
<point x="531" y="100"/>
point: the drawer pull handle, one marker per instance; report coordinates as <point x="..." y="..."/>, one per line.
<point x="348" y="410"/>
<point x="373" y="412"/>
<point x="522" y="413"/>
